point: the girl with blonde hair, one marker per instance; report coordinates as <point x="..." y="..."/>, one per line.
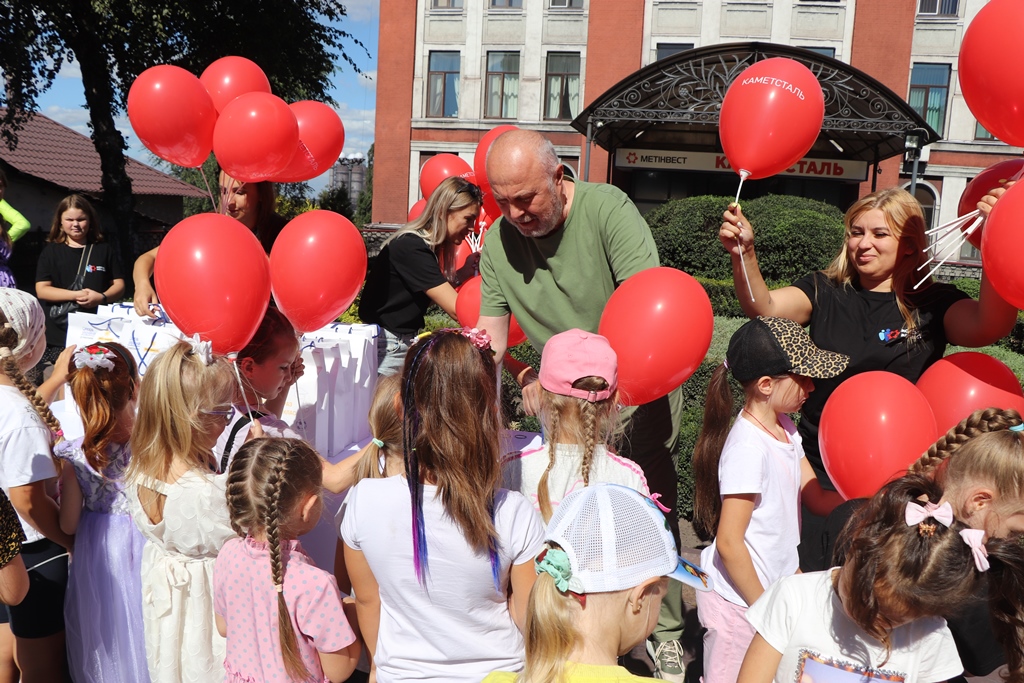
<point x="867" y="305"/>
<point x="178" y="503"/>
<point x="441" y="559"/>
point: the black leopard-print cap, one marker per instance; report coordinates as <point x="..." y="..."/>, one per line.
<point x="776" y="346"/>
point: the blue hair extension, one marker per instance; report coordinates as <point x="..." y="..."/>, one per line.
<point x="492" y="552"/>
<point x="410" y="430"/>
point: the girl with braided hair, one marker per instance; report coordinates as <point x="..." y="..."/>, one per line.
<point x="579" y="413"/>
<point x="441" y="560"/>
<point x="103" y="606"/>
<point x="28" y="475"/>
<point x="274" y="496"/>
<point x="178" y="503"/>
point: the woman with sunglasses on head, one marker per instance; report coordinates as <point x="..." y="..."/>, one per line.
<point x="416" y="267"/>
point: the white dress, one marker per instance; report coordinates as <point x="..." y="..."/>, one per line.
<point x="182" y="642"/>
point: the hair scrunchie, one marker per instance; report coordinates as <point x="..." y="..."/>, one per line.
<point x="555" y="562"/>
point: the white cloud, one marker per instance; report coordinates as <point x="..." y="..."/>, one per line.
<point x="362" y="10"/>
<point x="359" y="128"/>
<point x="75" y="118"/>
<point x="70" y="70"/>
<point x="368" y="79"/>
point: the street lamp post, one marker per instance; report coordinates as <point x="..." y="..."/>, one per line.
<point x="912" y="143"/>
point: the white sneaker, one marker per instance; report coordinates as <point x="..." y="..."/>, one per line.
<point x="668" y="660"/>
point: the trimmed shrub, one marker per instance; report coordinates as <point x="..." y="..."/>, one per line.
<point x="794" y="235"/>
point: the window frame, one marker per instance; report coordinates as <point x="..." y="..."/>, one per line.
<point x="569" y="4"/>
<point x="449" y="5"/>
<point x="564" y="97"/>
<point x="658" y="47"/>
<point x="927" y="94"/>
<point x="505" y="4"/>
<point x="502" y="114"/>
<point x="444" y="85"/>
<point x="939" y="6"/>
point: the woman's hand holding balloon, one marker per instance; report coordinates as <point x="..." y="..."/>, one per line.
<point x="736" y="233"/>
<point x="990" y="199"/>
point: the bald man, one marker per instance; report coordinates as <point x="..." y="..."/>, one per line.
<point x="560" y="250"/>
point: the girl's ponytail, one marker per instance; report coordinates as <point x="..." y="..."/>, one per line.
<point x="718" y="407"/>
<point x="102" y="392"/>
<point x="543" y="494"/>
<point x="978" y="422"/>
<point x="551" y="632"/>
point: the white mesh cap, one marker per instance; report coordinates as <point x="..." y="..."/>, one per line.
<point x="616" y="539"/>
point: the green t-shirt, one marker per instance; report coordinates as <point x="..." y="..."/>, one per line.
<point x="577" y="673"/>
<point x="561" y="281"/>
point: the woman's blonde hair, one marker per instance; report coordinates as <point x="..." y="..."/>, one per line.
<point x="453" y="194"/>
<point x="551" y="631"/>
<point x="571" y="420"/>
<point x="904" y="217"/>
<point x="177" y="389"/>
<point x="385" y="426"/>
<point x="267" y="482"/>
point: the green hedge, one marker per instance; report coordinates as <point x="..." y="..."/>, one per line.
<point x="794" y="235"/>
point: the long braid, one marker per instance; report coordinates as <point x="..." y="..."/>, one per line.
<point x="543" y="494"/>
<point x="588" y="420"/>
<point x="978" y="422"/>
<point x="286" y="633"/>
<point x="13" y="372"/>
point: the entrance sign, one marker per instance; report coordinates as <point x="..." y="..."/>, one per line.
<point x="676" y="160"/>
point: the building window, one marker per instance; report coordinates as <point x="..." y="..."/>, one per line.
<point x="826" y="51"/>
<point x="445" y="4"/>
<point x="567" y="4"/>
<point x="502" y="95"/>
<point x="507" y="4"/>
<point x="941" y="8"/>
<point x="929" y="90"/>
<point x="443" y="84"/>
<point x="669" y="49"/>
<point x="562" y="86"/>
<point x="981" y="134"/>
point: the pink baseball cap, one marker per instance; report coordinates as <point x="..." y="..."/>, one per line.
<point x="573" y="355"/>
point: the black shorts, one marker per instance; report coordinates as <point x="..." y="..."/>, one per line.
<point x="41" y="613"/>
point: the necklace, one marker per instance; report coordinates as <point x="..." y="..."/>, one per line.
<point x="761" y="424"/>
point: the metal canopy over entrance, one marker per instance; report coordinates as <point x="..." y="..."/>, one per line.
<point x="674" y="103"/>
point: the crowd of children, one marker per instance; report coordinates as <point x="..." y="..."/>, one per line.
<point x="162" y="545"/>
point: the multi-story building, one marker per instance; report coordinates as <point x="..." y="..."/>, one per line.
<point x="450" y="70"/>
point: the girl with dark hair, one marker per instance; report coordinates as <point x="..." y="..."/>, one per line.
<point x="441" y="560"/>
<point x="103" y="607"/>
<point x="274" y="496"/>
<point x="909" y="561"/>
<point x="416" y="267"/>
<point x="77" y="271"/>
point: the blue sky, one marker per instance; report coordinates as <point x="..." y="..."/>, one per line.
<point x="355" y="94"/>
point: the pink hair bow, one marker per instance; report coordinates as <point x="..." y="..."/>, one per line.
<point x="917" y="513"/>
<point x="975" y="539"/>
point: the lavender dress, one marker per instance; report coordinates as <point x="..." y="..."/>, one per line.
<point x="103" y="606"/>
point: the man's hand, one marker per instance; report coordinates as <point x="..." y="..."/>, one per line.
<point x="531" y="393"/>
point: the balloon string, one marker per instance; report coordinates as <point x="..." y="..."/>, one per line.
<point x="213" y="202"/>
<point x="233" y="357"/>
<point x="739" y="247"/>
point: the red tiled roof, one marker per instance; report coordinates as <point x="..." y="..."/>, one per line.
<point x="54" y="152"/>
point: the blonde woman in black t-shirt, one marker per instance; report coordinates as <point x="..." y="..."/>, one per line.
<point x="864" y="305"/>
<point x="416" y="267"/>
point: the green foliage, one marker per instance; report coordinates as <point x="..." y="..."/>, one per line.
<point x="793" y="235"/>
<point x="364" y="204"/>
<point x="194" y="176"/>
<point x="969" y="286"/>
<point x="336" y="199"/>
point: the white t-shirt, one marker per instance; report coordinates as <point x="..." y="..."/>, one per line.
<point x="753" y="462"/>
<point x="272" y="426"/>
<point x="521" y="471"/>
<point x="802" y="617"/>
<point x="457" y="628"/>
<point x="24" y="448"/>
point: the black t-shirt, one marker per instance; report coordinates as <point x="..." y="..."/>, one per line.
<point x="395" y="293"/>
<point x="868" y="327"/>
<point x="58" y="264"/>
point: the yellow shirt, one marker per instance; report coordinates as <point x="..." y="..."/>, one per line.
<point x="577" y="673"/>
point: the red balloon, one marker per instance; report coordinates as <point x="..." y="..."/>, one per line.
<point x="987" y="180"/>
<point x="485" y="221"/>
<point x="438" y="168"/>
<point x="416" y="210"/>
<point x="173" y="115"/>
<point x="256" y="137"/>
<point x="480" y="161"/>
<point x="961" y="383"/>
<point x="1000" y="243"/>
<point x="873" y="427"/>
<point x="491" y="207"/>
<point x="230" y="77"/>
<point x="462" y="253"/>
<point x="317" y="265"/>
<point x="467" y="308"/>
<point x="659" y="322"/>
<point x="321" y="139"/>
<point x="771" y="116"/>
<point x="994" y="95"/>
<point x="214" y="280"/>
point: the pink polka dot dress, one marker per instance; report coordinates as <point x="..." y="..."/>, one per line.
<point x="244" y="595"/>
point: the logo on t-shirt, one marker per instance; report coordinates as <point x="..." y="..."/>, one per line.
<point x="890" y="336"/>
<point x="95" y="269"/>
<point x="814" y="668"/>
